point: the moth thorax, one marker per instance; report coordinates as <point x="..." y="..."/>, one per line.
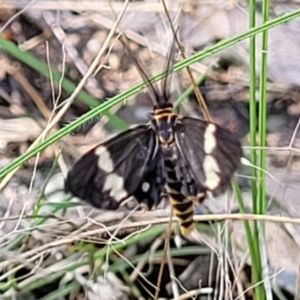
<point x="164" y="123"/>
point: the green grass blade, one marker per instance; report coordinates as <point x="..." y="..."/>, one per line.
<point x="253" y="243"/>
<point x="252" y="100"/>
<point x="248" y="231"/>
<point x="261" y="193"/>
<point x="261" y="205"/>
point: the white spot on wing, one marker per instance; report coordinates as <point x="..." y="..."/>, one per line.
<point x="211" y="170"/>
<point x="115" y="185"/>
<point x="210" y="141"/>
<point x="104" y="161"/>
<point x="145" y="187"/>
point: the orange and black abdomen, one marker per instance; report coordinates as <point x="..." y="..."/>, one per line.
<point x="164" y="123"/>
<point x="183" y="206"/>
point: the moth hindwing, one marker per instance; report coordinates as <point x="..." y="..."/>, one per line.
<point x="188" y="156"/>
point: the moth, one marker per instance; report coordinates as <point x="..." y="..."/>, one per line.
<point x="185" y="157"/>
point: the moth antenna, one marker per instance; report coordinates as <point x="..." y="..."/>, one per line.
<point x="152" y="91"/>
<point x="166" y="80"/>
<point x="196" y="88"/>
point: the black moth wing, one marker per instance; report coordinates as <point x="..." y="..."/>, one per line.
<point x="129" y="164"/>
<point x="211" y="154"/>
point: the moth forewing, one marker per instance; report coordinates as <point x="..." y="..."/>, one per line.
<point x="211" y="153"/>
<point x="117" y="169"/>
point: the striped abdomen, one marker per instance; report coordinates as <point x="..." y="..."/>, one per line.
<point x="183" y="206"/>
<point x="164" y="123"/>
